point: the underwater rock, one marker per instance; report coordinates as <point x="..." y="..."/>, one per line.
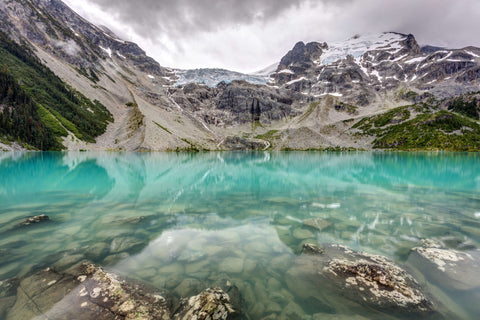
<point x="211" y="304"/>
<point x="317" y="223"/>
<point x="292" y="311"/>
<point x="448" y="268"/>
<point x="8" y="290"/>
<point x="231" y="265"/>
<point x="35" y="219"/>
<point x="309" y="248"/>
<point x="126" y="244"/>
<point x="68" y="260"/>
<point x="301" y="233"/>
<point x="327" y="316"/>
<point x="188" y="286"/>
<point x="379" y="283"/>
<point x="364" y="278"/>
<point x="376" y="281"/>
<point x="97" y="251"/>
<point x="86" y="292"/>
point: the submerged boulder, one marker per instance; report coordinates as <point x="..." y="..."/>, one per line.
<point x="448" y="268"/>
<point x="86" y="292"/>
<point x="34" y="220"/>
<point x="365" y="279"/>
<point x="211" y="304"/>
<point x="317" y="223"/>
<point x="309" y="248"/>
<point x="377" y="281"/>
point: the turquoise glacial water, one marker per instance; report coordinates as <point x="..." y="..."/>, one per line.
<point x="185" y="221"/>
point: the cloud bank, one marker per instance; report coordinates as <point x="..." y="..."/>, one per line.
<point x="246" y="35"/>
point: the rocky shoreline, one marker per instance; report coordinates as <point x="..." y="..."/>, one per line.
<point x="67" y="286"/>
<point x="87" y="291"/>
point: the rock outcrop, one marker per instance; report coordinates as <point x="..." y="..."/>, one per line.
<point x="237" y="103"/>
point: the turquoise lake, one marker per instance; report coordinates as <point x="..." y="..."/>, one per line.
<point x="184" y="221"/>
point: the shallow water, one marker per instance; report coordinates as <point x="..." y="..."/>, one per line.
<point x="185" y="222"/>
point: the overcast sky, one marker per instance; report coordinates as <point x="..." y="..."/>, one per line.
<point x="248" y="35"/>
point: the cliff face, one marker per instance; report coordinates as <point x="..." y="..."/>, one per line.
<point x="315" y="97"/>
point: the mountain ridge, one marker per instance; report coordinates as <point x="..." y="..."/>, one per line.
<point x="313" y="99"/>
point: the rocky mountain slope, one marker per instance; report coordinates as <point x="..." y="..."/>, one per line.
<point x="375" y="91"/>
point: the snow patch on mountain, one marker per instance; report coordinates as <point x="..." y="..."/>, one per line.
<point x="360" y="44"/>
<point x="212" y="77"/>
<point x="107" y="50"/>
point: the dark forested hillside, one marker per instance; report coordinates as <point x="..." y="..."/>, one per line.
<point x="55" y="106"/>
<point x="19" y="119"/>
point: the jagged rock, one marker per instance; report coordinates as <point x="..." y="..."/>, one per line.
<point x="35" y="219"/>
<point x="211" y="304"/>
<point x="254" y="103"/>
<point x="448" y="268"/>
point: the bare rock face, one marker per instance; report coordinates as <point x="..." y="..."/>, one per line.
<point x="211" y="304"/>
<point x="238" y="102"/>
<point x="450" y="269"/>
<point x="238" y="143"/>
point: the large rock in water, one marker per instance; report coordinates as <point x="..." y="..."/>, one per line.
<point x="448" y="268"/>
<point x="211" y="304"/>
<point x="365" y="279"/>
<point x="87" y="292"/>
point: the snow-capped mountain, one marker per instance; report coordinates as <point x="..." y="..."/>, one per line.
<point x="379" y="62"/>
<point x="314" y="97"/>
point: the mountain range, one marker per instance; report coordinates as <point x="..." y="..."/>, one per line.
<point x="69" y="84"/>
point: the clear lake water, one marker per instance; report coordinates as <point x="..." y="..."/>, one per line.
<point x="185" y="221"/>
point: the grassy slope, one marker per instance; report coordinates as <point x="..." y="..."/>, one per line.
<point x="422" y="127"/>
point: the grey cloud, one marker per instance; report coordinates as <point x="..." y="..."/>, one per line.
<point x="148" y="17"/>
<point x="247" y="34"/>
